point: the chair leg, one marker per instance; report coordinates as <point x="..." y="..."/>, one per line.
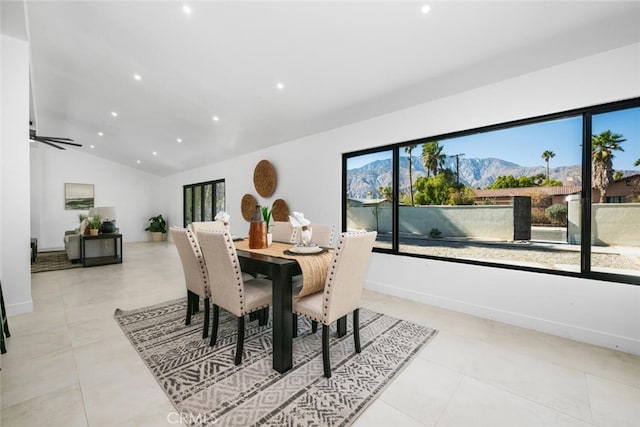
<point x="356" y="329"/>
<point x="214" y="325"/>
<point x="294" y="325"/>
<point x="240" y="343"/>
<point x="205" y="328"/>
<point x="196" y="304"/>
<point x="189" y="307"/>
<point x="326" y="360"/>
<point x="263" y="316"/>
<point x="314" y="326"/>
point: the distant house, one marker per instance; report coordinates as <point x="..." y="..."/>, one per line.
<point x="356" y="203"/>
<point x="502" y="196"/>
<point x="624" y="190"/>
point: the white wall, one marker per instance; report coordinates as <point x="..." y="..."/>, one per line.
<point x="136" y="195"/>
<point x="14" y="176"/>
<point x="309" y="179"/>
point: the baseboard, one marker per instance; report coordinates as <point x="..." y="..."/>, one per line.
<point x="590" y="336"/>
<point x="19" y="308"/>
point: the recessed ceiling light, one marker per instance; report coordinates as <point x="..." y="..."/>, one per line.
<point x="114" y="114"/>
<point x="179" y="140"/>
<point x="100" y="134"/>
<point x="186" y="9"/>
<point x="138" y="77"/>
<point x="215" y="118"/>
<point x="92" y="146"/>
<point x="155" y="153"/>
<point x="280" y="86"/>
<point x="138" y="161"/>
<point x="425" y="9"/>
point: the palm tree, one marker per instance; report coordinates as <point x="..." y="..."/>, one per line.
<point x="386" y="192"/>
<point x="546" y="156"/>
<point x="432" y="157"/>
<point x="637" y="163"/>
<point x="602" y="148"/>
<point x="408" y="149"/>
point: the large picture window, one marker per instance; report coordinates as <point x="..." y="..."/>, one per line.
<point x="520" y="195"/>
<point x="202" y="201"/>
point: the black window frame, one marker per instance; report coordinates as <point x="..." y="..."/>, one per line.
<point x="200" y="186"/>
<point x="585" y="246"/>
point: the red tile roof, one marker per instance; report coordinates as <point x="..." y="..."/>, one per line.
<point x="525" y="191"/>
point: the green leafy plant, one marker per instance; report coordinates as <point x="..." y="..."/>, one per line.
<point x="266" y="215"/>
<point x="557" y="213"/>
<point x="82" y="217"/>
<point x="157" y="224"/>
<point x="94" y="222"/>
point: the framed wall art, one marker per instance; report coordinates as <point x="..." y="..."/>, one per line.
<point x="78" y="196"/>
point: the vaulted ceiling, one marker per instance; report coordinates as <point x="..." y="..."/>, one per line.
<point x="200" y="85"/>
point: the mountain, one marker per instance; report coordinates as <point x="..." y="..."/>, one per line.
<point x="474" y="172"/>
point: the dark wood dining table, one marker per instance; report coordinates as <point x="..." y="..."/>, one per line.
<point x="280" y="270"/>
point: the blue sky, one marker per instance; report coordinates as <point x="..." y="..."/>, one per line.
<point x="525" y="144"/>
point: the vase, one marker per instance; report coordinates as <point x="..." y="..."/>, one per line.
<point x="269" y="239"/>
<point x="108" y="227"/>
<point x="258" y="231"/>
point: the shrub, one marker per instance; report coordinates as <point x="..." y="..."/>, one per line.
<point x="557" y="214"/>
<point x="435" y="233"/>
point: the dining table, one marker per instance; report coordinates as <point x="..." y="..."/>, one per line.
<point x="279" y="264"/>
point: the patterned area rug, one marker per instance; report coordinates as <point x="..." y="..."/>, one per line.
<point x="207" y="388"/>
<point x="50" y="261"/>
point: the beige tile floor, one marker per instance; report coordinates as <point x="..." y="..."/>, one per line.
<point x="70" y="365"/>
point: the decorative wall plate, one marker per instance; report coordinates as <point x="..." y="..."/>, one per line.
<point x="280" y="210"/>
<point x="264" y="178"/>
<point x="248" y="206"/>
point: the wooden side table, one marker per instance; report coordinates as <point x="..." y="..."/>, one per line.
<point x="34" y="249"/>
<point x="4" y="324"/>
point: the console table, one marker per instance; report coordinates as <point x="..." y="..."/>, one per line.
<point x="114" y="258"/>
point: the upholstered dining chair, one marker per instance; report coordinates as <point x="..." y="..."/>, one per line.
<point x="211" y="226"/>
<point x="342" y="289"/>
<point x="196" y="275"/>
<point x="228" y="288"/>
<point x="196" y="226"/>
<point x="283" y="231"/>
<point x="323" y="234"/>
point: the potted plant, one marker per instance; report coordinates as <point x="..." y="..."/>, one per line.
<point x="157" y="227"/>
<point x="94" y="225"/>
<point x="266" y="215"/>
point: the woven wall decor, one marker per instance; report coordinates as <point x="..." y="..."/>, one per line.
<point x="264" y="178"/>
<point x="248" y="206"/>
<point x="280" y="210"/>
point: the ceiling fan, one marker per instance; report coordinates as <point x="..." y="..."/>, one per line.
<point x="52" y="140"/>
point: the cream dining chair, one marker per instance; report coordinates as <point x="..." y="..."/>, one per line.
<point x="283" y="231"/>
<point x="323" y="234"/>
<point x="342" y="289"/>
<point x="196" y="275"/>
<point x="228" y="288"/>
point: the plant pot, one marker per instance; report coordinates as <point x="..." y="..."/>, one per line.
<point x="93" y="231"/>
<point x="157" y="236"/>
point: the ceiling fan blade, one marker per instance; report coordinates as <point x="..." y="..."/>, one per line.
<point x="54" y="138"/>
<point x="51" y="144"/>
<point x="75" y="144"/>
<point x="56" y="141"/>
